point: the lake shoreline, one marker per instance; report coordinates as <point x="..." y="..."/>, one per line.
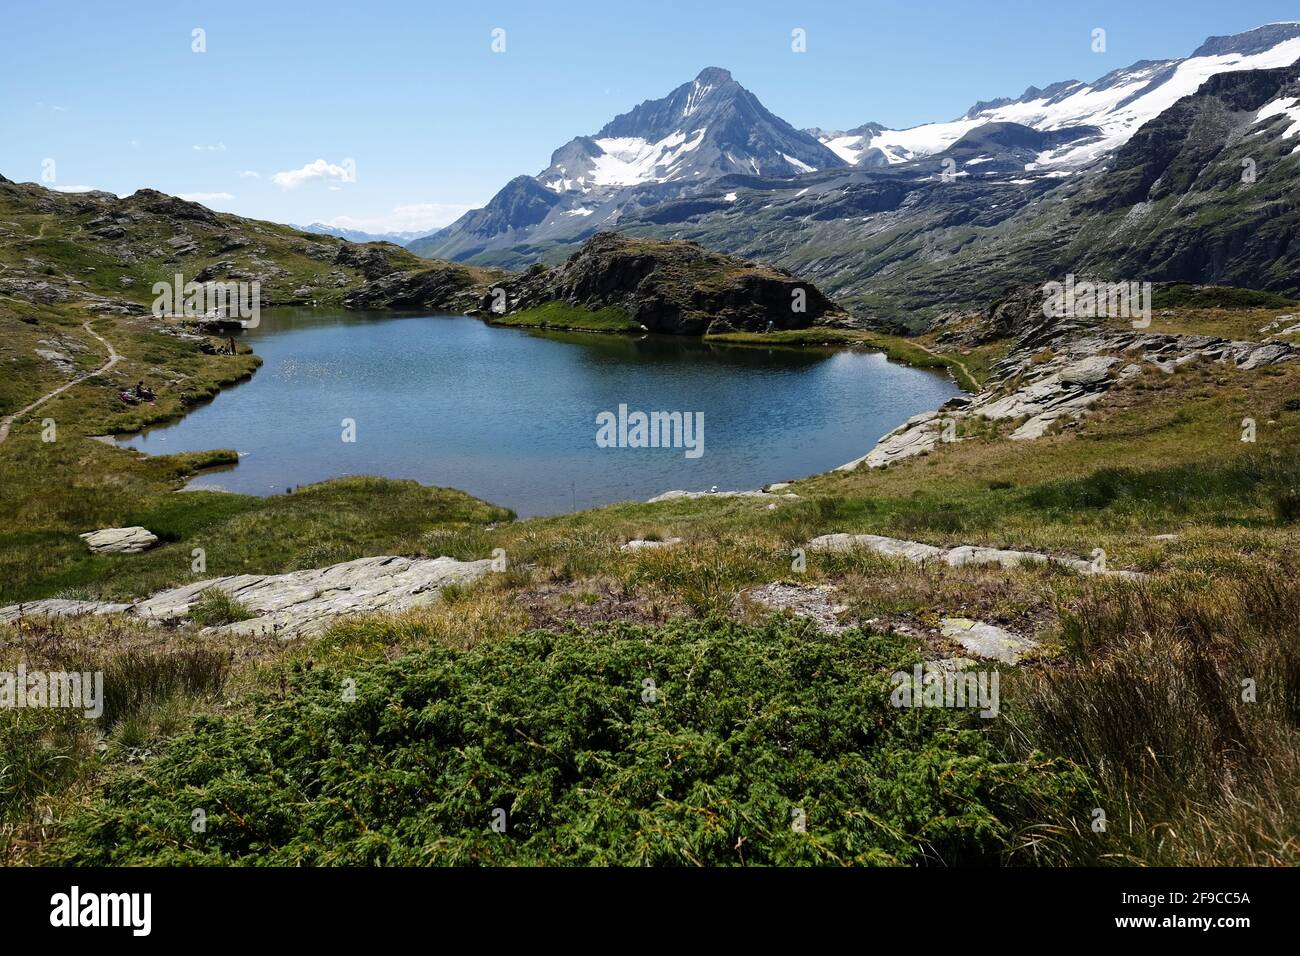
<point x="658" y="347"/>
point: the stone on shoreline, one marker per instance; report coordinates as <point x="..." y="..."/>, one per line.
<point x="1065" y="386"/>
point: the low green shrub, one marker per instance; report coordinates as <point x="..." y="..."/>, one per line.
<point x="696" y="743"/>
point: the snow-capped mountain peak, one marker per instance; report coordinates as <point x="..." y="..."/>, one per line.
<point x="1111" y="110"/>
<point x="708" y="127"/>
<point x="659" y="150"/>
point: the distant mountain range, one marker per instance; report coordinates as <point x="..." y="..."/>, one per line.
<point x="888" y="220"/>
<point x="1102" y="116"/>
<point x="357" y="235"/>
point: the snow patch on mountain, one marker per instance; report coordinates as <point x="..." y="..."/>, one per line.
<point x="797" y="164"/>
<point x="1288" y="107"/>
<point x="629" y="160"/>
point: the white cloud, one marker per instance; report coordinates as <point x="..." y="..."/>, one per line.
<point x="415" y="217"/>
<point x="75" y="189"/>
<point x="249" y="174"/>
<point x="217" y="148"/>
<point x="293" y="178"/>
<point x="204" y="197"/>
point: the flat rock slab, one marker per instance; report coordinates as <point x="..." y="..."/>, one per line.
<point x="886" y="547"/>
<point x="642" y="544"/>
<point x="817" y="604"/>
<point x="987" y="641"/>
<point x="957" y="557"/>
<point x="690" y="495"/>
<point x="120" y="540"/>
<point x="54" y="607"/>
<point x="290" y="605"/>
<point x="304" y="602"/>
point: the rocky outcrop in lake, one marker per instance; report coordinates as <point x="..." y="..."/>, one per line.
<point x="674" y="287"/>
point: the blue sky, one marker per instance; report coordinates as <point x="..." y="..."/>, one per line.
<point x="435" y="122"/>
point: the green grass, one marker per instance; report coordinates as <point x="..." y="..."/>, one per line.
<point x="1179" y="698"/>
<point x="561" y="315"/>
<point x="215" y="607"/>
<point x="154" y="681"/>
<point x="1183" y="295"/>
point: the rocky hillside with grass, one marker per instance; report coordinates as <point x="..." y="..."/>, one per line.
<point x="107" y="253"/>
<point x="95" y="248"/>
<point x="674" y="287"/>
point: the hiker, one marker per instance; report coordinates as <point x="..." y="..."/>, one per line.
<point x="233" y="350"/>
<point x="143" y="393"/>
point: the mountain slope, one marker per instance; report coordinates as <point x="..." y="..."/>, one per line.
<point x="1208" y="192"/>
<point x="97" y="253"/>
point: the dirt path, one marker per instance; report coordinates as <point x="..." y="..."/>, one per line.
<point x="947" y="357"/>
<point x="113" y="358"/>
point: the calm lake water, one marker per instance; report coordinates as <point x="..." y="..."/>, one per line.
<point x="511" y="416"/>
